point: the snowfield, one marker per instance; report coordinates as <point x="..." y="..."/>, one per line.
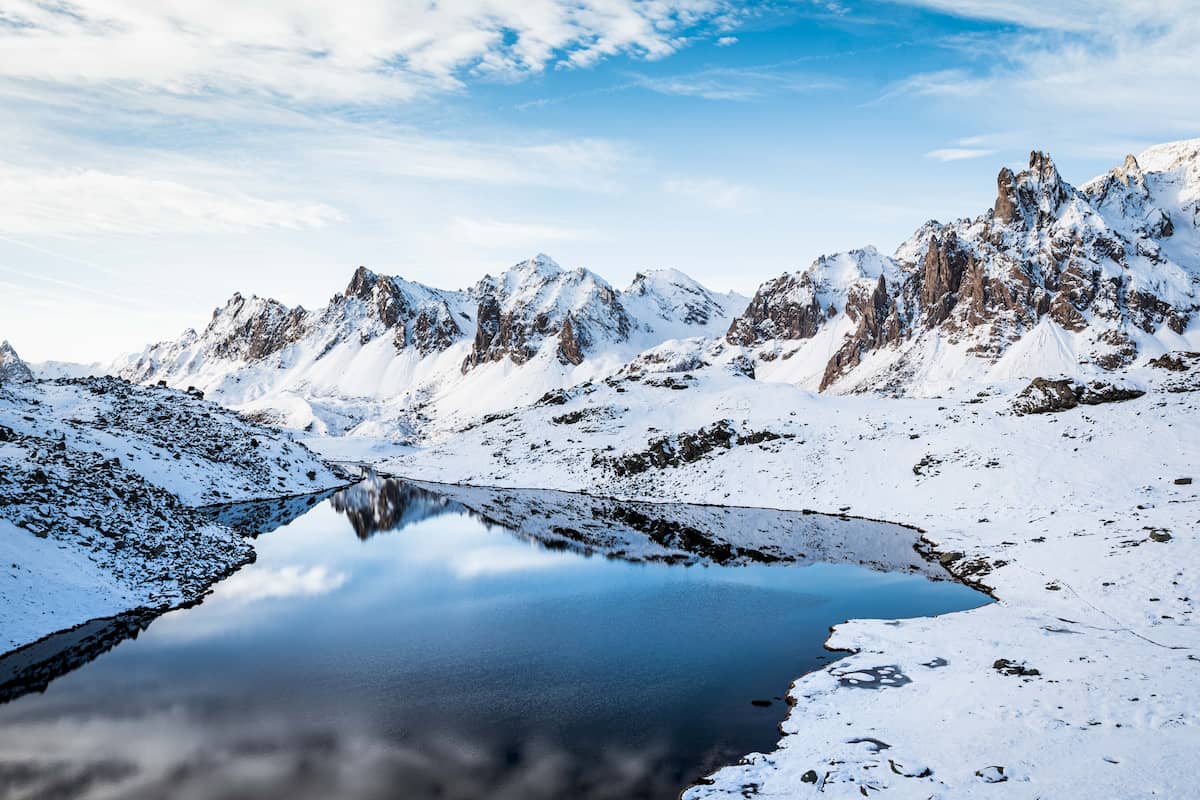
<point x="1080" y="680"/>
<point x="99" y="485"/>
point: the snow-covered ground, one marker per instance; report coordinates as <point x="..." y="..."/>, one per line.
<point x="99" y="484"/>
<point x="1080" y="681"/>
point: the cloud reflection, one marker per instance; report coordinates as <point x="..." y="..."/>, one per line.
<point x="201" y="756"/>
<point x="292" y="580"/>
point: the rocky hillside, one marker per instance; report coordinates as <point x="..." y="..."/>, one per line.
<point x="100" y="482"/>
<point x="389" y="356"/>
<point x="1052" y="279"/>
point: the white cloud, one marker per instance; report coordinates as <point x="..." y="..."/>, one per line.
<point x="504" y="559"/>
<point x="314" y="50"/>
<point x="496" y="233"/>
<point x="958" y="153"/>
<point x="727" y="41"/>
<point x="712" y="192"/>
<point x="34" y="201"/>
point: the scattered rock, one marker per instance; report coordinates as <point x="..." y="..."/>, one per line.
<point x="1006" y="667"/>
<point x="991" y="774"/>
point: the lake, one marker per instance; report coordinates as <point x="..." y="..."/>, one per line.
<point x="421" y="641"/>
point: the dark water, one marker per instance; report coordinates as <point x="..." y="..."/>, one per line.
<point x="398" y="642"/>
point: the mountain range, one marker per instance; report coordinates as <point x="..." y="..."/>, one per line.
<point x="1053" y="279"/>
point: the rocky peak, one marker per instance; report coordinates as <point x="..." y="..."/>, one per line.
<point x="783" y="308"/>
<point x="380" y="296"/>
<point x="536" y="299"/>
<point x="1104" y="263"/>
<point x="1032" y="196"/>
<point x="362" y="284"/>
<point x="797" y="304"/>
<point x="411" y="313"/>
<point x="941" y="275"/>
<point x="12" y="368"/>
<point x="253" y="328"/>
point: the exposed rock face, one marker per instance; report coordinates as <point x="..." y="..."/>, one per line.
<point x="12" y="368"/>
<point x="941" y="276"/>
<point x="1100" y="263"/>
<point x="413" y="315"/>
<point x="570" y="348"/>
<point x="254" y="329"/>
<point x="879" y="322"/>
<point x="786" y="307"/>
<point x="798" y="305"/>
<point x="683" y="448"/>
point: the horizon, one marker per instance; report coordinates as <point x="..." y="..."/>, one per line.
<point x="150" y="177"/>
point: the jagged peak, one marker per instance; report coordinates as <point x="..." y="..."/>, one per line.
<point x="1031" y="194"/>
<point x="362" y="283"/>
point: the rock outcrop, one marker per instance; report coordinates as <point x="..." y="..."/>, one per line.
<point x="1045" y="395"/>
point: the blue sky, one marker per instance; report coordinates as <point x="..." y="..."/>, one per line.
<point x="157" y="155"/>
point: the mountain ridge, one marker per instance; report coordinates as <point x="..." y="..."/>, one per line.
<point x="1052" y="278"/>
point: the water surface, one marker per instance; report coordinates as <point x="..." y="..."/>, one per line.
<point x="405" y="641"/>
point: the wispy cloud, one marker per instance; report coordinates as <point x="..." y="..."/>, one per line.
<point x="91" y="201"/>
<point x="711" y="192"/>
<point x="1077" y="65"/>
<point x="735" y="84"/>
<point x="959" y="153"/>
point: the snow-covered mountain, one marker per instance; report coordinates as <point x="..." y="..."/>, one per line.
<point x="388" y="356"/>
<point x="1052" y="279"/>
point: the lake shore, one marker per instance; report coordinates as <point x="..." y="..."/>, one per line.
<point x="1079" y="679"/>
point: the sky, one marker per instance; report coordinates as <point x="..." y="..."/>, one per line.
<point x="158" y="155"/>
